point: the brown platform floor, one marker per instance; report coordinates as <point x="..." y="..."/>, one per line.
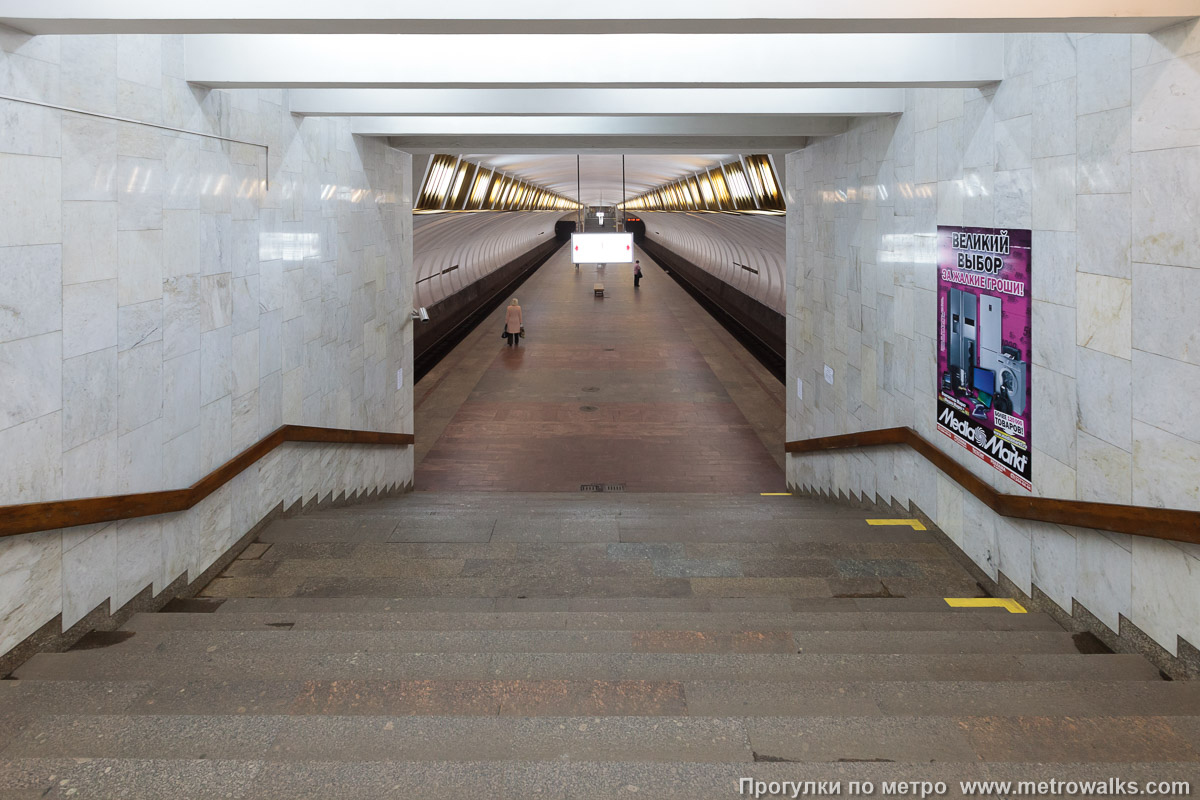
<point x="641" y="387"/>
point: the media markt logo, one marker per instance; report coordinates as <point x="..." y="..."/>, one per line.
<point x="980" y="436"/>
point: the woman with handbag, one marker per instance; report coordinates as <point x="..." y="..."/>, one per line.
<point x="514" y="324"/>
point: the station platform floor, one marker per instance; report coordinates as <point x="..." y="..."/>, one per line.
<point x="640" y="390"/>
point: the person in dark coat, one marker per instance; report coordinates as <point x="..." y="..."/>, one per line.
<point x="637" y="273"/>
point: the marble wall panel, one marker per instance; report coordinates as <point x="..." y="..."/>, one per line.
<point x="31" y="470"/>
<point x="32" y="281"/>
<point x="31" y="584"/>
<point x="90" y="395"/>
<point x="1163" y="595"/>
<point x="148" y="292"/>
<point x="33" y="215"/>
<point x="1094" y="146"/>
<point x="1162" y="297"/>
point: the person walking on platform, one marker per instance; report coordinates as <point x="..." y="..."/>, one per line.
<point x="637" y="274"/>
<point x="514" y="323"/>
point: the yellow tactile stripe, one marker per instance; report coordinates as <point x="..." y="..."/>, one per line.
<point x="915" y="524"/>
<point x="986" y="602"/>
<point x="776" y="494"/>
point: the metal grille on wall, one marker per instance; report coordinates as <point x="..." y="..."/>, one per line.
<point x="747" y="185"/>
<point x="452" y="184"/>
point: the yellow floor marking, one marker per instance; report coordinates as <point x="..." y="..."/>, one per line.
<point x="914" y="523"/>
<point x="776" y="494"/>
<point x="986" y="602"/>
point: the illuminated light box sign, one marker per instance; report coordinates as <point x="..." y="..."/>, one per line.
<point x="602" y="248"/>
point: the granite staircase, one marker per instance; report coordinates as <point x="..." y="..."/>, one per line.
<point x="591" y="646"/>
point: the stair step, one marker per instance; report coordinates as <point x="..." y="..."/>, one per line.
<point x="764" y="640"/>
<point x="170" y="695"/>
<point x="641" y="739"/>
<point x="586" y="586"/>
<point x="506" y="605"/>
<point x="202" y="779"/>
<point x="138" y="664"/>
<point x="882" y="621"/>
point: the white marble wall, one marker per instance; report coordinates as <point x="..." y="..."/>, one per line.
<point x="1093" y="142"/>
<point x="162" y="309"/>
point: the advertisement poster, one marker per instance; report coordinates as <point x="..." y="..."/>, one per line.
<point x="985" y="345"/>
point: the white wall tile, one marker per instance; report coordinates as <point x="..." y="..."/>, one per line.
<point x="34" y="214"/>
<point x="1104" y="234"/>
<point x="1164" y="468"/>
<point x="1105" y="397"/>
<point x="88" y="573"/>
<point x="140" y="378"/>
<point x="31" y="471"/>
<point x="1164" y="225"/>
<point x="1054" y="564"/>
<point x="1104" y="577"/>
<point x="92" y="468"/>
<point x="1104" y="314"/>
<point x="1104" y="72"/>
<point x="1103" y="161"/>
<point x="1054" y="342"/>
<point x="1014" y="143"/>
<point x="140" y="255"/>
<point x="1164" y="392"/>
<point x="89" y="241"/>
<point x="245" y="363"/>
<point x="181" y="315"/>
<point x="89" y="162"/>
<point x="140" y="324"/>
<point x="1054" y="119"/>
<point x="216" y="359"/>
<point x="1164" y="596"/>
<point x="1162" y="298"/>
<point x="31" y="371"/>
<point x="1014" y="545"/>
<point x="32" y="281"/>
<point x="1054" y="193"/>
<point x="90" y="391"/>
<point x="30" y="584"/>
<point x="1105" y="471"/>
<point x="140" y="459"/>
<point x="1164" y="102"/>
<point x="90" y="317"/>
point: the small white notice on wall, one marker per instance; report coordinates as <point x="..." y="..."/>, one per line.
<point x="829" y="374"/>
<point x="799" y="389"/>
<point x="400" y="378"/>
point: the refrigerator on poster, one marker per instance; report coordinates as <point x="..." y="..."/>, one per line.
<point x="985" y="345"/>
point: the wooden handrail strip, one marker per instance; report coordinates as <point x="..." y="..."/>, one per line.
<point x="34" y="517"/>
<point x="1158" y="523"/>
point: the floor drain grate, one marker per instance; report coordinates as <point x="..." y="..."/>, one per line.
<point x="601" y="487"/>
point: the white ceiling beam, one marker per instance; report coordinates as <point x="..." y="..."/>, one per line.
<point x="594" y="102"/>
<point x="647" y="61"/>
<point x="612" y="16"/>
<point x="598" y="126"/>
<point x="596" y="145"/>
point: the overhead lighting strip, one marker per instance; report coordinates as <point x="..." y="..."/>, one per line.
<point x="453" y="184"/>
<point x="748" y="184"/>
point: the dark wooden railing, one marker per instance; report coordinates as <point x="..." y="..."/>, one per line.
<point x="1159" y="523"/>
<point x="32" y="517"/>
